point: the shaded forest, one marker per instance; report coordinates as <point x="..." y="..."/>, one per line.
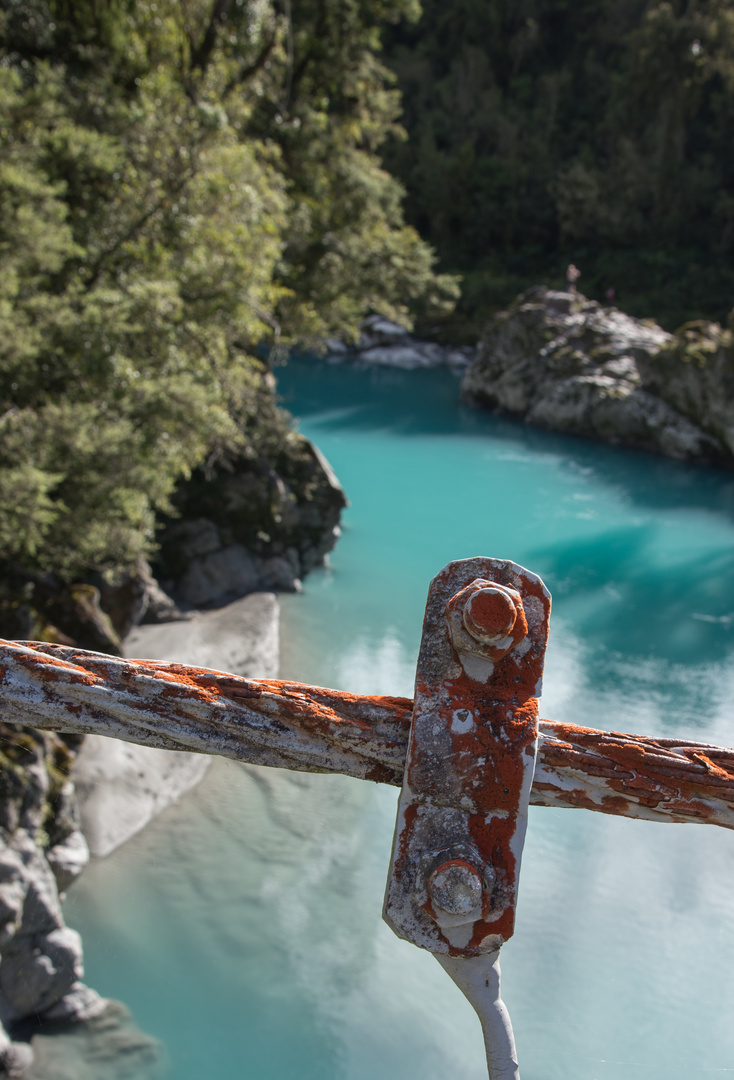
<point x="595" y="131"/>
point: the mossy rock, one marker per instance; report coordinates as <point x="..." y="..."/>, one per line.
<point x="34" y="778"/>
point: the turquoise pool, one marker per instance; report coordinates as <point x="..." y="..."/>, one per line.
<point x="243" y="928"/>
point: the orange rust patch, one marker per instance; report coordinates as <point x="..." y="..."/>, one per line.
<point x="711" y="767"/>
<point x="411" y="812"/>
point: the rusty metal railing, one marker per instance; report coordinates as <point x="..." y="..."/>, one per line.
<point x="469" y="752"/>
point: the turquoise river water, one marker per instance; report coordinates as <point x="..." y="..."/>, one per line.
<point x="243" y="927"/>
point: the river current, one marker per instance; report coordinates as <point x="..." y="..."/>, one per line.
<point x="243" y="927"/>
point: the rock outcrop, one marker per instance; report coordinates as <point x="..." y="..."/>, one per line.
<point x="255" y="524"/>
<point x="41" y="852"/>
<point x="257" y="520"/>
<point x="96" y="614"/>
<point x="108" y="1046"/>
<point x="566" y="363"/>
<point x="387" y="344"/>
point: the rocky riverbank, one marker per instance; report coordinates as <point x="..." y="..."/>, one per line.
<point x="569" y="364"/>
<point x="254" y="524"/>
<point x="382" y="343"/>
<point x="60" y="797"/>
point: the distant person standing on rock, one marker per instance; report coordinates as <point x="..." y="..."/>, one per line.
<point x="611" y="295"/>
<point x="572" y="276"/>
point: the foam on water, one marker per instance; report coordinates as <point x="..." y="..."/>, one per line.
<point x="243" y="927"/>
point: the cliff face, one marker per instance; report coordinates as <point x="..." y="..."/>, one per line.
<point x="49" y="784"/>
<point x="41" y="852"/>
<point x="568" y="364"/>
<point x="119" y="787"/>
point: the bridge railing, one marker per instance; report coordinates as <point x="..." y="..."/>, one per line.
<point x="313" y="729"/>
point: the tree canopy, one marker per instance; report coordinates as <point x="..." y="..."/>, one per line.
<point x="594" y="131"/>
<point x="182" y="184"/>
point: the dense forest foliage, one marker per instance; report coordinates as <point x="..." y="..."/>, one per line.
<point x="594" y="131"/>
<point x="184" y="184"/>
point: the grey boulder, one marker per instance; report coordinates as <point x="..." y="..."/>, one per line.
<point x="560" y="361"/>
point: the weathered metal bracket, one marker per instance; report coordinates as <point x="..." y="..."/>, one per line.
<point x="462" y="814"/>
<point x="471" y="757"/>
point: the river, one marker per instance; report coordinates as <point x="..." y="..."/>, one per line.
<point x="243" y="927"/>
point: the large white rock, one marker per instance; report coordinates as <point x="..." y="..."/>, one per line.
<point x="566" y="363"/>
<point x="121" y="786"/>
<point x="383" y="343"/>
<point x="412" y="355"/>
<point x="241" y="638"/>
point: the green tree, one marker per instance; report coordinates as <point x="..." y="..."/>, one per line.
<point x="181" y="184"/>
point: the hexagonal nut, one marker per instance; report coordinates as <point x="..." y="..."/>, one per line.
<point x="486" y="619"/>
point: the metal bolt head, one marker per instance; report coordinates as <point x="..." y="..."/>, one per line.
<point x="490" y="613"/>
<point x="455" y="887"/>
<point x="486" y="619"/>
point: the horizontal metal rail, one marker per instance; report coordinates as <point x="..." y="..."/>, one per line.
<point x="311" y="729"/>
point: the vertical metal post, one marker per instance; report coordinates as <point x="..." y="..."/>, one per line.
<point x="462" y="814"/>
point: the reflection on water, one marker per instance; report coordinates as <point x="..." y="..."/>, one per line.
<point x="243" y="927"/>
